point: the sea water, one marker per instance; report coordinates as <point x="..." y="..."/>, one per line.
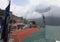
<point x="52" y="32"/>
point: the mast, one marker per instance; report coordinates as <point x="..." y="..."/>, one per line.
<point x="43" y="20"/>
<point x="5" y="23"/>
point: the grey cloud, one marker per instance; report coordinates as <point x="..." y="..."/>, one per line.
<point x="52" y="16"/>
<point x="42" y="9"/>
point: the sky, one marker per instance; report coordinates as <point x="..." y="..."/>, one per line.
<point x="26" y="7"/>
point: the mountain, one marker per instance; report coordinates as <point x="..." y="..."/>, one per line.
<point x="52" y="16"/>
<point x="39" y="21"/>
<point x="52" y="20"/>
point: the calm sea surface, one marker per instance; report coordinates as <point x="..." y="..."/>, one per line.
<point x="52" y="32"/>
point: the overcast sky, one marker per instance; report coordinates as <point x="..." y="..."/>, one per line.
<point x="25" y="7"/>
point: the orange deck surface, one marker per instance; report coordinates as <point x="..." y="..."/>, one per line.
<point x="22" y="34"/>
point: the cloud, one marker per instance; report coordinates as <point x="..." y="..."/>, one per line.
<point x="16" y="9"/>
<point x="33" y="15"/>
<point x="23" y="11"/>
<point x="3" y="4"/>
<point x="19" y="10"/>
<point x="54" y="2"/>
<point x="34" y="2"/>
